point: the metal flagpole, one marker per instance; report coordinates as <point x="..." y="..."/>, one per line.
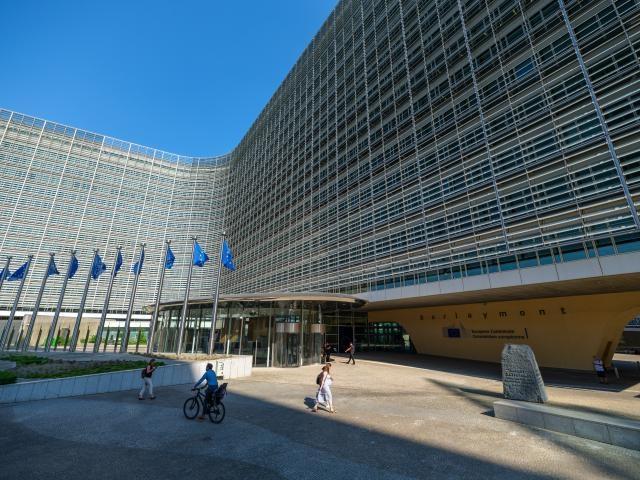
<point x="183" y="317"/>
<point x="76" y="327"/>
<point x="127" y="322"/>
<point x="215" y="299"/>
<point x="56" y="315"/>
<point x="154" y="319"/>
<point x="7" y="328"/>
<point x="5" y="271"/>
<point x="105" y="307"/>
<point x="32" y="321"/>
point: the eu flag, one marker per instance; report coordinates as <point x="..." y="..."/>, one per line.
<point x="18" y="274"/>
<point x="118" y="265"/>
<point x="227" y="256"/>
<point x="98" y="267"/>
<point x="53" y="270"/>
<point x="199" y="255"/>
<point x="137" y="267"/>
<point x="170" y="259"/>
<point x="73" y="268"/>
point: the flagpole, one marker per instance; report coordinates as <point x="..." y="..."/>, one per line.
<point x="27" y="337"/>
<point x="105" y="307"/>
<point x="5" y="271"/>
<point x="76" y="327"/>
<point x="186" y="299"/>
<point x="127" y="323"/>
<point x="154" y="319"/>
<point x="56" y="315"/>
<point x="215" y="299"/>
<point x="7" y="328"/>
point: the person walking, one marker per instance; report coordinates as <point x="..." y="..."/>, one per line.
<point x="351" y="350"/>
<point x="212" y="385"/>
<point x="147" y="384"/>
<point x="324" y="394"/>
<point x="327" y="352"/>
<point x="601" y="372"/>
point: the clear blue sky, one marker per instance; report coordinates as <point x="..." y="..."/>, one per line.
<point x="188" y="77"/>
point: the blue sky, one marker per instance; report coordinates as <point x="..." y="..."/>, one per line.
<point x="188" y="77"/>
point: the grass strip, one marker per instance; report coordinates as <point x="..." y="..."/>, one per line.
<point x="107" y="368"/>
<point x="25" y="359"/>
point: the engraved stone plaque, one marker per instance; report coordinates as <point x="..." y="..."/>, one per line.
<point x="521" y="379"/>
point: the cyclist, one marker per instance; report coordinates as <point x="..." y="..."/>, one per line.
<point x="212" y="385"/>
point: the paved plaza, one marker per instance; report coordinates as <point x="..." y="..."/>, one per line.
<point x="418" y="417"/>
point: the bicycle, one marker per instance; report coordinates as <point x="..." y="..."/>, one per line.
<point x="216" y="410"/>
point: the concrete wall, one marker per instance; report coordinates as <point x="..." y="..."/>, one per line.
<point x="176" y="374"/>
<point x="564" y="332"/>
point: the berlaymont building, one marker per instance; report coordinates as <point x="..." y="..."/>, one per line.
<point x="442" y="176"/>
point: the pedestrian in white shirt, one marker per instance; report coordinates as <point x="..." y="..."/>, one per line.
<point x="324" y="394"/>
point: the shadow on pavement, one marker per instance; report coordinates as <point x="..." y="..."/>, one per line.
<point x="585" y="449"/>
<point x="258" y="439"/>
<point x="552" y="377"/>
<point x="489" y="396"/>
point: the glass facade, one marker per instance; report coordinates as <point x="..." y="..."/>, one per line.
<point x="422" y="140"/>
<point x="413" y="141"/>
<point x="66" y="188"/>
<point x="279" y="333"/>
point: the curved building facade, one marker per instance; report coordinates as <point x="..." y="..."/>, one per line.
<point x="439" y="138"/>
<point x="66" y="189"/>
<point x="419" y="154"/>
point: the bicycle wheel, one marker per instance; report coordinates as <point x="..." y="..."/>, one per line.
<point x="191" y="408"/>
<point x="216" y="413"/>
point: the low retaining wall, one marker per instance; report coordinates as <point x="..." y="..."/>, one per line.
<point x="601" y="428"/>
<point x="175" y="374"/>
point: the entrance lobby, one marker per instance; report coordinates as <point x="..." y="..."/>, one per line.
<point x="277" y="330"/>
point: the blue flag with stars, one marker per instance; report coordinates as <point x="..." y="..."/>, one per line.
<point x="227" y="256"/>
<point x="137" y="267"/>
<point x="53" y="270"/>
<point x="73" y="268"/>
<point x="98" y="267"/>
<point x="118" y="265"/>
<point x="18" y="274"/>
<point x="199" y="255"/>
<point x="170" y="259"/>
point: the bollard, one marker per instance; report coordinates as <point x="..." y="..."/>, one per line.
<point x="115" y="346"/>
<point x="86" y="339"/>
<point x="38" y="338"/>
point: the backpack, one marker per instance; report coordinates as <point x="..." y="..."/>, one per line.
<point x="144" y="372"/>
<point x="319" y="378"/>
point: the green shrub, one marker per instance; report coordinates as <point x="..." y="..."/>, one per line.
<point x="7" y="377"/>
<point x="25" y="359"/>
<point x="89" y="370"/>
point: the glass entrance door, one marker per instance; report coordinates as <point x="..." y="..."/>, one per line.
<point x="287" y="344"/>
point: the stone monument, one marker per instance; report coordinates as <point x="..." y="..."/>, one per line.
<point x="521" y="377"/>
